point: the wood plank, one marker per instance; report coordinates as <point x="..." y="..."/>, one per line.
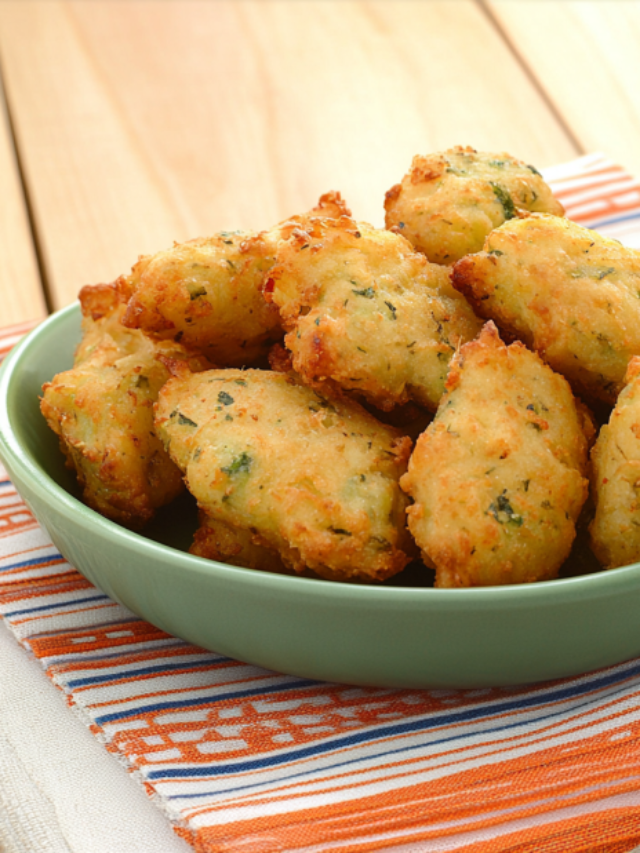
<point x="21" y="294"/>
<point x="585" y="56"/>
<point x="141" y="123"/>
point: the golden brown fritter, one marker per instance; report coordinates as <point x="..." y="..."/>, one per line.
<point x="408" y="419"/>
<point x="215" y="540"/>
<point x="206" y="294"/>
<point x="566" y="291"/>
<point x="498" y="477"/>
<point x="102" y="412"/>
<point x="102" y="307"/>
<point x="314" y="481"/>
<point x="615" y="529"/>
<point x="448" y="202"/>
<point x="366" y="314"/>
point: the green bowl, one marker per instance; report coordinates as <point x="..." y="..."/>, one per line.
<point x="387" y="636"/>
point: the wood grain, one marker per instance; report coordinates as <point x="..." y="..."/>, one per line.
<point x="21" y="294"/>
<point x="140" y="123"/>
<point x="585" y="55"/>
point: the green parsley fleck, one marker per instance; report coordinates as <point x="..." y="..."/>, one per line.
<point x="605" y="273"/>
<point x="240" y="465"/>
<point x="503" y="512"/>
<point x="183" y="420"/>
<point x="195" y="290"/>
<point x="505" y="200"/>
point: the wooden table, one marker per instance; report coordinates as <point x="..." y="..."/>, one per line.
<point x="133" y="123"/>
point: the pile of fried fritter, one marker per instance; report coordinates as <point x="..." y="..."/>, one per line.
<point x="341" y="400"/>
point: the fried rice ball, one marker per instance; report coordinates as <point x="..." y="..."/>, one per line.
<point x="567" y="292"/>
<point x="366" y="314"/>
<point x="312" y="480"/>
<point x="102" y="412"/>
<point x="498" y="478"/>
<point x="448" y="202"/>
<point x="615" y="529"/>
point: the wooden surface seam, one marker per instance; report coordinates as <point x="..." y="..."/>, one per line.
<point x="21" y="291"/>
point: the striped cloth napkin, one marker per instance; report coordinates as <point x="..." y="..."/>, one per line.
<point x="242" y="759"/>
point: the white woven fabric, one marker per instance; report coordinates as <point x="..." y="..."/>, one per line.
<point x="60" y="790"/>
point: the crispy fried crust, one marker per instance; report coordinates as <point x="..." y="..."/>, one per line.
<point x="206" y="294"/>
<point x="498" y="479"/>
<point x="215" y="540"/>
<point x="615" y="529"/>
<point x="366" y="314"/>
<point x="448" y="202"/>
<point x="567" y="292"/>
<point x="315" y="481"/>
<point x="102" y="412"/>
<point x="330" y="205"/>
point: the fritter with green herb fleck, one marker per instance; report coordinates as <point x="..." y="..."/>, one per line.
<point x="615" y="529"/>
<point x="312" y="480"/>
<point x="102" y="412"/>
<point x="448" y="202"/>
<point x="567" y="292"/>
<point x="367" y="314"/>
<point x="206" y="294"/>
<point x="498" y="478"/>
